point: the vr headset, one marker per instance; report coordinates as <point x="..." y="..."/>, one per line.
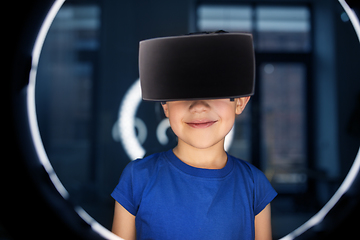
<point x="199" y="66"/>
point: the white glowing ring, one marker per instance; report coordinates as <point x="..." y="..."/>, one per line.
<point x="126" y="121"/>
<point x="161" y="131"/>
<point x="34" y="128"/>
<point x="354" y="170"/>
<point x="316" y="219"/>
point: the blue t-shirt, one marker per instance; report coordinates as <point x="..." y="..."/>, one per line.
<point x="172" y="200"/>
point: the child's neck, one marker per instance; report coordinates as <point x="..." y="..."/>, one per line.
<point x="213" y="157"/>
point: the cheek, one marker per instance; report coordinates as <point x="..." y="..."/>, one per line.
<point x="175" y="122"/>
<point x="226" y="112"/>
<point x="228" y="122"/>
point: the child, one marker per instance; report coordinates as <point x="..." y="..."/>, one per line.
<point x="196" y="190"/>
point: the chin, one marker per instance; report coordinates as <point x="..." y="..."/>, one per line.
<point x="205" y="143"/>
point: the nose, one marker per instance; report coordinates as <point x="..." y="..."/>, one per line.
<point x="199" y="106"/>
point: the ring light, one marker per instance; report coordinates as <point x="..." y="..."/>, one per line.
<point x="354" y="170"/>
<point x="86" y="225"/>
<point x="34" y="128"/>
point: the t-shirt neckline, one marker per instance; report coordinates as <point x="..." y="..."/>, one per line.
<point x="200" y="172"/>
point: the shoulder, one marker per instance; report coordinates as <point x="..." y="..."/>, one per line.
<point x="150" y="161"/>
<point x="134" y="179"/>
<point x="246" y="167"/>
<point x="251" y="172"/>
<point x="263" y="192"/>
<point x="145" y="167"/>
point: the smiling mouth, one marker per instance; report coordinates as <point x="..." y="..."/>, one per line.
<point x="201" y="124"/>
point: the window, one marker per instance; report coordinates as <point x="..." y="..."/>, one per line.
<point x="282" y="123"/>
<point x="231" y="18"/>
<point x="275" y="28"/>
<point x="283" y="29"/>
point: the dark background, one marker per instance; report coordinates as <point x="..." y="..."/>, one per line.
<point x="84" y="74"/>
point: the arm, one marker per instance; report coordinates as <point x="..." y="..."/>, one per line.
<point x="124" y="223"/>
<point x="263" y="224"/>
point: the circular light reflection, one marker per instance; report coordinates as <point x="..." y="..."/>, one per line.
<point x="34" y="128"/>
<point x="354" y="170"/>
<point x="132" y="102"/>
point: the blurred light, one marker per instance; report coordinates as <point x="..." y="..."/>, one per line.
<point x="344" y="17"/>
<point x="229" y="139"/>
<point x="34" y="128"/>
<point x="283" y="19"/>
<point x="81" y="18"/>
<point x="43" y="32"/>
<point x="290" y="178"/>
<point x="95" y="225"/>
<point x="142" y="130"/>
<point x="226" y="17"/>
<point x="352" y="16"/>
<point x="139" y="125"/>
<point x="161" y="131"/>
<point x="269" y="68"/>
<point x="129" y="105"/>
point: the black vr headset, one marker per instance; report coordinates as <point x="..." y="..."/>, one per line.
<point x="199" y="66"/>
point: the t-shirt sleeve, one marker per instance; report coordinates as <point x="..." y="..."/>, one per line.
<point x="264" y="192"/>
<point x="123" y="192"/>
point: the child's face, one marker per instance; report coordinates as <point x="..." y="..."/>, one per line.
<point x="203" y="123"/>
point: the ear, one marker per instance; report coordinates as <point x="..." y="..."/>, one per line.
<point x="241" y="104"/>
<point x="166" y="109"/>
